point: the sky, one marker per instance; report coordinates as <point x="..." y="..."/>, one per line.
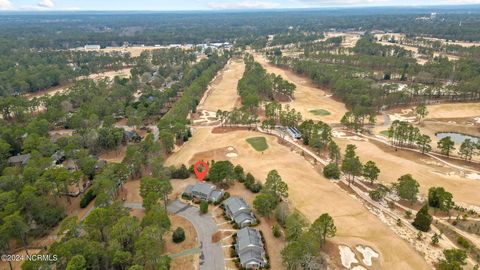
<point x="168" y="5"/>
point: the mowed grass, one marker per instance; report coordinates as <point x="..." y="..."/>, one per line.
<point x="320" y="112"/>
<point x="258" y="143"/>
<point x="384" y="133"/>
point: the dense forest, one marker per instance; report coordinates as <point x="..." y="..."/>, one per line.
<point x="28" y="63"/>
<point x="368" y="76"/>
<point x="113" y="29"/>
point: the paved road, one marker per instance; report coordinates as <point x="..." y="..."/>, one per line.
<point x="211" y="257"/>
<point x="211" y="254"/>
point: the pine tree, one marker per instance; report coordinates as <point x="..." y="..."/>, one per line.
<point x="423" y="219"/>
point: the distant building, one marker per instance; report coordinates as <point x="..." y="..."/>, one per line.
<point x="239" y="211"/>
<point x="19" y="160"/>
<point x="204" y="191"/>
<point x="250" y="249"/>
<point x="92" y="47"/>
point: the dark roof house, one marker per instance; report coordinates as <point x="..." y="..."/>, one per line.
<point x="19" y="160"/>
<point x="204" y="191"/>
<point x="250" y="249"/>
<point x="58" y="157"/>
<point x="239" y="211"/>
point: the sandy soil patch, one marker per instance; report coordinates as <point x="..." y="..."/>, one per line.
<point x="349" y="39"/>
<point x="48" y="92"/>
<point x="223" y="93"/>
<point x="138" y="213"/>
<point x="222" y="153"/>
<point x="114" y="156"/>
<point x="308" y="97"/>
<point x="309" y="192"/>
<point x="131" y="192"/>
<point x="62" y="88"/>
<point x="110" y="74"/>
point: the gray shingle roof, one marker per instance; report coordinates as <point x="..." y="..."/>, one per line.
<point x="203" y="188"/>
<point x="19" y="159"/>
<point x="248" y="237"/>
<point x="249" y="247"/>
<point x="250" y="256"/>
<point x="204" y="191"/>
<point x="242" y="217"/>
<point x="235" y="204"/>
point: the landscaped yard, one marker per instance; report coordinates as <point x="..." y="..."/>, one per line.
<point x="320" y="112"/>
<point x="258" y="143"/>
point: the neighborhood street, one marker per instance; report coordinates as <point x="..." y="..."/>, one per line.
<point x="211" y="257"/>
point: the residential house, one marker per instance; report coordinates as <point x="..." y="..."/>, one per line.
<point x="239" y="211"/>
<point x="204" y="191"/>
<point x="131" y="136"/>
<point x="19" y="160"/>
<point x="58" y="157"/>
<point x="250" y="249"/>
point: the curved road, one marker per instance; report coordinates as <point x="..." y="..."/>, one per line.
<point x="211" y="257"/>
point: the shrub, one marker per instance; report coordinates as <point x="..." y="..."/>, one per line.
<point x="408" y="214"/>
<point x="423" y="219"/>
<point x="87" y="198"/>
<point x="276" y="231"/>
<point x="463" y="242"/>
<point x="181" y="173"/>
<point x="331" y="171"/>
<point x="203" y="207"/>
<point x="178" y="235"/>
<point x="375" y="195"/>
<point x="255" y="188"/>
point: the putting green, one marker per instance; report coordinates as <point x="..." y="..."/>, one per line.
<point x="320" y="112"/>
<point x="258" y="143"/>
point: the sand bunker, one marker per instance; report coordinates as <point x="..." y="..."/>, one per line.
<point x="347" y="256"/>
<point x="231" y="155"/>
<point x="343" y="135"/>
<point x="359" y="267"/>
<point x="367" y="253"/>
<point x="231" y="152"/>
<point x="401" y="117"/>
<point x="473" y="176"/>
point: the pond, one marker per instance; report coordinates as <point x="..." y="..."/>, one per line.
<point x="458" y="138"/>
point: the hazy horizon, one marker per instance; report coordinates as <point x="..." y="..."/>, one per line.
<point x="212" y="5"/>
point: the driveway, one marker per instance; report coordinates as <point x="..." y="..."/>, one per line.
<point x="211" y="256"/>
